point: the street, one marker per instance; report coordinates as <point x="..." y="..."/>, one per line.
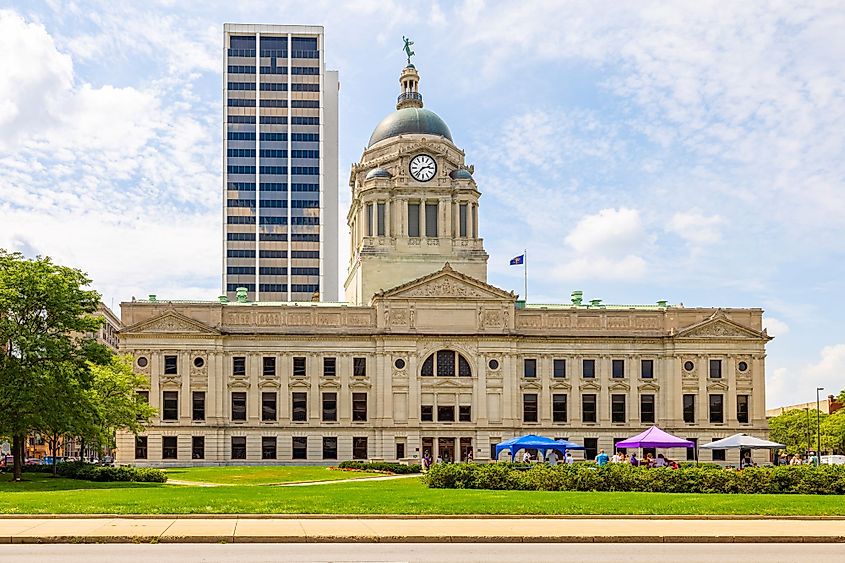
<point x="463" y="552"/>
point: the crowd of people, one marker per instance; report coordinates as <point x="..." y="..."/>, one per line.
<point x="648" y="460"/>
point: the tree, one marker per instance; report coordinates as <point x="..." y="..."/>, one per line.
<point x="796" y="429"/>
<point x="833" y="432"/>
<point x="44" y="314"/>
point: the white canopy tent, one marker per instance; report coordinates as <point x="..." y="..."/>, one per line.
<point x="741" y="441"/>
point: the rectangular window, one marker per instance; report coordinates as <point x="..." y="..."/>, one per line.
<point x="464" y="413"/>
<point x="140" y="447"/>
<point x="742" y="409"/>
<point x="239" y="365"/>
<point x="529" y="407"/>
<point x="716" y="369"/>
<point x="689" y="408"/>
<point x="400" y="450"/>
<point x="618" y="368"/>
<point x="691" y="451"/>
<point x="591" y="448"/>
<point x="413" y="219"/>
<point x="268" y="447"/>
<point x="559" y="407"/>
<point x="197" y="447"/>
<point x="329" y="367"/>
<point x="359" y="407"/>
<point x="329" y="407"/>
<point x="588" y="368"/>
<point x="588" y="407"/>
<point x="198" y="406"/>
<point x="462" y="217"/>
<point x="359" y="447"/>
<point x="529" y="367"/>
<point x="299" y="413"/>
<point x="169" y="447"/>
<point x="359" y="367"/>
<point x="369" y="219"/>
<point x="431" y="220"/>
<point x="380" y="219"/>
<point x="717" y="455"/>
<point x="617" y="408"/>
<point x="329" y="447"/>
<point x="299" y="366"/>
<point x="170" y="367"/>
<point x="647" y="369"/>
<point x="559" y="368"/>
<point x="426" y="413"/>
<point x="238" y="405"/>
<point x="647" y="409"/>
<point x="170" y="405"/>
<point x="268" y="366"/>
<point x="238" y="447"/>
<point x="445" y="413"/>
<point x="300" y="447"/>
<point x="717" y="414"/>
<point x="268" y="406"/>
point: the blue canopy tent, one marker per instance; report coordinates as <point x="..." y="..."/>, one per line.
<point x="532" y="441"/>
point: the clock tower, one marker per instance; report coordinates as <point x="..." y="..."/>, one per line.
<point x="414" y="202"/>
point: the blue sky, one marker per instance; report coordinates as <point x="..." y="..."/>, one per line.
<point x="668" y="150"/>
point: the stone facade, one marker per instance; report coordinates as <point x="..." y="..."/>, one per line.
<point x="426" y="356"/>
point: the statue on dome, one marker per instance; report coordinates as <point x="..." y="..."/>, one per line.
<point x="407" y="48"/>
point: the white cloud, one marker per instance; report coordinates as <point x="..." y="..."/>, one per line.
<point x="610" y="232"/>
<point x="789" y="387"/>
<point x="585" y="268"/>
<point x="696" y="228"/>
<point x="775" y="327"/>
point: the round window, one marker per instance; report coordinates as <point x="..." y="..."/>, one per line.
<point x="743" y="366"/>
<point x="493" y="364"/>
<point x="142" y="362"/>
<point x="399" y="363"/>
<point x="689" y="366"/>
<point x="199" y="362"/>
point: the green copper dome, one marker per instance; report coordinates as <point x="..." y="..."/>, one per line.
<point x="409" y="121"/>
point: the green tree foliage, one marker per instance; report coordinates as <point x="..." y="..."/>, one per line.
<point x="54" y="379"/>
<point x="793" y="428"/>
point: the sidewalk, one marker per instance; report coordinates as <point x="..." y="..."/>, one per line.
<point x="400" y="530"/>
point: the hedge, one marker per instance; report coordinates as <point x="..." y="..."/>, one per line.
<point x="386" y="466"/>
<point x="804" y="479"/>
<point x="91" y="472"/>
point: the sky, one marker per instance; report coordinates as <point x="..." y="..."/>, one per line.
<point x="688" y="151"/>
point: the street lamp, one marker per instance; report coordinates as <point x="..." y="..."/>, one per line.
<point x="818" y="427"/>
<point x="807" y="412"/>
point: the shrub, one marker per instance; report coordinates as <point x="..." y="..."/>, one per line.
<point x="384" y="466"/>
<point x="102" y="473"/>
<point x="805" y="479"/>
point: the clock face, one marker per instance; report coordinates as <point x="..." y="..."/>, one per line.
<point x="423" y="167"/>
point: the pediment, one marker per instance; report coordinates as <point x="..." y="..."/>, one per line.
<point x="269" y="383"/>
<point x="649" y="387"/>
<point x="171" y="322"/>
<point x="452" y="383"/>
<point x="532" y="385"/>
<point x="717" y="386"/>
<point x="560" y="385"/>
<point x="719" y="326"/>
<point x="591" y="386"/>
<point x="447" y="284"/>
<point x="619" y="386"/>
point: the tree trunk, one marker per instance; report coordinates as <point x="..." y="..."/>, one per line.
<point x="17" y="455"/>
<point x="54" y="445"/>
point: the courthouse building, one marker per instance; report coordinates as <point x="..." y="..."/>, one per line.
<point x="425" y="355"/>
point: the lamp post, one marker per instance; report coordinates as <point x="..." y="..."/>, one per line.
<point x="818" y="427"/>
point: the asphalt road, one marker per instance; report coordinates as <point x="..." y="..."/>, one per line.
<point x="462" y="552"/>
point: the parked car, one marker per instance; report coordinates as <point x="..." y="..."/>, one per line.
<point x="833" y="459"/>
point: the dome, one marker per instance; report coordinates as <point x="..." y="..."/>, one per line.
<point x="378" y="173"/>
<point x="409" y="121"/>
<point x="460" y="174"/>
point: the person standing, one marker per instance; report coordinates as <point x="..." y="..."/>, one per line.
<point x="602" y="459"/>
<point x="568" y="459"/>
<point x="552" y="458"/>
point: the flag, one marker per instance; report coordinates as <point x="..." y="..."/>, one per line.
<point x="518" y="260"/>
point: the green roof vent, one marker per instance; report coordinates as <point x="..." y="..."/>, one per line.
<point x="662" y="303"/>
<point x="577" y="297"/>
<point x="241" y="294"/>
<point x="595" y="302"/>
<point x="223" y="299"/>
<point x="152" y="297"/>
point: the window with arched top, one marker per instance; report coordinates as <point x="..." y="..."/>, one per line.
<point x="446" y="363"/>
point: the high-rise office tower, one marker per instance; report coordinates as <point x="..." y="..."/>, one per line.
<point x="280" y="164"/>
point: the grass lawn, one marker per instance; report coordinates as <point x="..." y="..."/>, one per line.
<point x="262" y="475"/>
<point x="42" y="494"/>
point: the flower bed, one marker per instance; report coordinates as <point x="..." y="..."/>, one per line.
<point x="823" y="480"/>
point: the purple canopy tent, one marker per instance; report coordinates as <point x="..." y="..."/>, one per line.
<point x="654" y="437"/>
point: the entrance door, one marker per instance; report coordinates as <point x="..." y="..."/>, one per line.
<point x="466" y="449"/>
<point x="427" y="448"/>
<point x="446" y="449"/>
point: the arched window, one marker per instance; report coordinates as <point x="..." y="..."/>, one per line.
<point x="446" y="363"/>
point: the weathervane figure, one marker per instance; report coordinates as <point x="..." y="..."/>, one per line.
<point x="407" y="48"/>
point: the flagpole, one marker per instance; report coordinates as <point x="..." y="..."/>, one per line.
<point x="525" y="272"/>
